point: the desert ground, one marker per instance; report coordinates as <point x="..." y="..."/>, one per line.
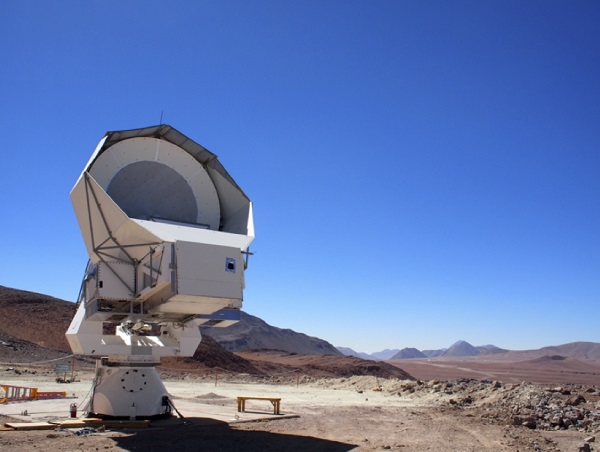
<point x="350" y="413"/>
<point x="533" y="401"/>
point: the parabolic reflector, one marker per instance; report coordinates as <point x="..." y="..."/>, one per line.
<point x="150" y="178"/>
<point x="158" y="175"/>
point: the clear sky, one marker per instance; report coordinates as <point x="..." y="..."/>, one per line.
<point x="421" y="171"/>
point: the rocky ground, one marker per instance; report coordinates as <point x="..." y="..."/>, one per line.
<point x="354" y="413"/>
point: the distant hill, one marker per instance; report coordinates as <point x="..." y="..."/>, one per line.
<point x="349" y="352"/>
<point x="582" y="350"/>
<point x="461" y="348"/>
<point x="409" y="353"/>
<point x="384" y="354"/>
<point x="585" y="351"/>
<point x="252" y="333"/>
<point x="490" y="349"/>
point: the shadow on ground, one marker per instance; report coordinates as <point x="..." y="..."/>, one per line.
<point x="207" y="434"/>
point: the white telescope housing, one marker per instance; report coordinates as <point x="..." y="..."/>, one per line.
<point x="167" y="231"/>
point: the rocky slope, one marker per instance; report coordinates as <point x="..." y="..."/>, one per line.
<point x="36" y="318"/>
<point x="252" y="333"/>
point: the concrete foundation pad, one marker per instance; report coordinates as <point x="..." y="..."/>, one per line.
<point x="57" y="410"/>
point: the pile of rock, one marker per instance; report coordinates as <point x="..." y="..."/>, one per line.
<point x="559" y="408"/>
<point x="525" y="404"/>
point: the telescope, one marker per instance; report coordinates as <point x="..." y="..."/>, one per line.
<point x="167" y="231"/>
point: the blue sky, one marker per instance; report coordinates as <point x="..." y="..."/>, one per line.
<point x="421" y="172"/>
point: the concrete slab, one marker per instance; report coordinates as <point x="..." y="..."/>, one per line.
<point x="56" y="410"/>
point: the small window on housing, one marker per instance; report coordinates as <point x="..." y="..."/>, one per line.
<point x="230" y="264"/>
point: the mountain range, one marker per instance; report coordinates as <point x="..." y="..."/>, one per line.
<point x="581" y="350"/>
<point x="33" y="329"/>
<point x="459" y="348"/>
<point x="42" y="321"/>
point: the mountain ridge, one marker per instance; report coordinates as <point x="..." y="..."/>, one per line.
<point x="253" y="333"/>
<point x="23" y="312"/>
<point x="583" y="350"/>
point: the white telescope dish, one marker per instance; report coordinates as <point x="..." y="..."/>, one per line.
<point x="167" y="231"/>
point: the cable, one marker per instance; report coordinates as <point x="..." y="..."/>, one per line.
<point x="170" y="403"/>
<point x="39" y="362"/>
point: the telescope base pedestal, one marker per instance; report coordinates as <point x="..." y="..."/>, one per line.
<point x="128" y="391"/>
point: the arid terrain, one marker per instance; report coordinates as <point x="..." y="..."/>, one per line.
<point x="358" y="412"/>
<point x="539" y="403"/>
